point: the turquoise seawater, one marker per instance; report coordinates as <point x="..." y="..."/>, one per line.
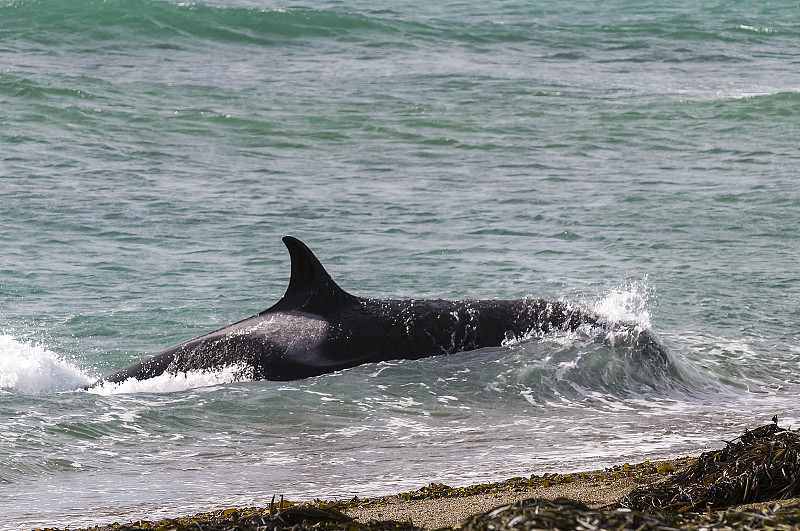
<point x="635" y="158"/>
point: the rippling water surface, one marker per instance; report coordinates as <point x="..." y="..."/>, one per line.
<point x="637" y="159"/>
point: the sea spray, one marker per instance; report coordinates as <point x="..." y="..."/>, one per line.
<point x="629" y="303"/>
<point x="26" y="367"/>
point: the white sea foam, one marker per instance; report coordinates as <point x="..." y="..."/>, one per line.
<point x="755" y="29"/>
<point x="168" y="383"/>
<point x="29" y="368"/>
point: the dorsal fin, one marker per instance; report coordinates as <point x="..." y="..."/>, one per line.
<point x="307" y="272"/>
<point x="311" y="288"/>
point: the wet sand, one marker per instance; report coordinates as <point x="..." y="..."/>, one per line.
<point x="442" y="512"/>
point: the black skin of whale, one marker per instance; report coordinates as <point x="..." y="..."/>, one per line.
<point x="318" y="328"/>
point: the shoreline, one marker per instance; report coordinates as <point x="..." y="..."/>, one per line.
<point x="753" y="483"/>
<point x="439" y="506"/>
<point x="595" y="489"/>
<point x="436" y="506"/>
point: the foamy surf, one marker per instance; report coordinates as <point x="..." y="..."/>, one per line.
<point x="29" y="368"/>
<point x="170" y="383"/>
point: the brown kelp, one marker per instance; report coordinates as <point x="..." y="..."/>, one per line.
<point x="293" y="518"/>
<point x="567" y="514"/>
<point x="759" y="465"/>
<point x="562" y="513"/>
<point x="526" y="515"/>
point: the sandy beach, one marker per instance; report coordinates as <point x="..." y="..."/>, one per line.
<point x="449" y="512"/>
<point x="602" y="490"/>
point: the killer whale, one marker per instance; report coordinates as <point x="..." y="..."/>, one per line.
<point x="317" y="328"/>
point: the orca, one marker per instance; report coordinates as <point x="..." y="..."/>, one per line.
<point x="318" y="328"/>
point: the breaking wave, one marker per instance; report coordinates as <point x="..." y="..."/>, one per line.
<point x="29" y="368"/>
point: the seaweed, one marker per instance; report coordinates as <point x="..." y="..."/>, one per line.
<point x="292" y="518"/>
<point x="521" y="484"/>
<point x="526" y="515"/>
<point x="563" y="513"/>
<point x="760" y="465"/>
<point x="567" y="514"/>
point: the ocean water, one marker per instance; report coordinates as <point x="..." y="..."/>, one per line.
<point x="638" y="159"/>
